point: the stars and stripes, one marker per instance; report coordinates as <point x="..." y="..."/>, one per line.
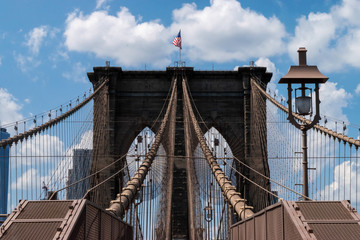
<point x="177" y="40"/>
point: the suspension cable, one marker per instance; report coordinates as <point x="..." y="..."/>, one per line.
<point x="242" y="209"/>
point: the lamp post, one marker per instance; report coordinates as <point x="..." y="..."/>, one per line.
<point x="304" y="75"/>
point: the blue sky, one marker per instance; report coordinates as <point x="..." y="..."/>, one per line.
<point x="46" y="47"/>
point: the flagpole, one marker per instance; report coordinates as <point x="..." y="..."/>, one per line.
<point x="180" y="48"/>
<point x="177" y="43"/>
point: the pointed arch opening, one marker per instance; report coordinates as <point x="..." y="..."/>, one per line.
<point x="148" y="207"/>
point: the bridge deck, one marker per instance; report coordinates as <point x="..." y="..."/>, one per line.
<point x="301" y="220"/>
<point x="73" y="219"/>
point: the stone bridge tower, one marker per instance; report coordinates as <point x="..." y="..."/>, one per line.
<point x="132" y="100"/>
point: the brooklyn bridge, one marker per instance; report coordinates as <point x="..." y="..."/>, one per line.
<point x="182" y="154"/>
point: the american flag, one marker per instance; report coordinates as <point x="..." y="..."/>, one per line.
<point x="177" y="40"/>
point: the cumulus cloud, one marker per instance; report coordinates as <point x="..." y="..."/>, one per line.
<point x="270" y="67"/>
<point x="224" y="31"/>
<point x="221" y="32"/>
<point x="265" y="62"/>
<point x="86" y="141"/>
<point x="332" y="38"/>
<point x="333" y="101"/>
<point x="120" y="37"/>
<point x="10" y="107"/>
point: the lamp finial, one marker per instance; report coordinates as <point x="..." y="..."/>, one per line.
<point x="302" y="56"/>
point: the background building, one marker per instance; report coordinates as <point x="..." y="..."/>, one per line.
<point x="81" y="168"/>
<point x="4" y="174"/>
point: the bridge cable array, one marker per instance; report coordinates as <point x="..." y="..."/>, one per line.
<point x="222" y="175"/>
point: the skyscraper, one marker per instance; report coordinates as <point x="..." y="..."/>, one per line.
<point x="4" y="174"/>
<point x="81" y="169"/>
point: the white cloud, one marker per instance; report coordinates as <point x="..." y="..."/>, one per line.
<point x="41" y="146"/>
<point x="86" y="141"/>
<point x="78" y="73"/>
<point x="36" y="37"/>
<point x="333" y="101"/>
<point x="270" y="67"/>
<point x="265" y="62"/>
<point x="357" y="90"/>
<point x="0" y="60"/>
<point x="120" y="37"/>
<point x="224" y="31"/>
<point x="10" y="107"/>
<point x="332" y="38"/>
<point x="221" y="32"/>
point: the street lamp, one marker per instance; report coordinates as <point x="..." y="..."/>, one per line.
<point x="304" y="76"/>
